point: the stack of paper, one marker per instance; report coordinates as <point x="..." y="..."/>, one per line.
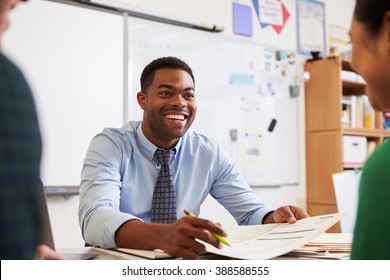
<point x="327" y="246"/>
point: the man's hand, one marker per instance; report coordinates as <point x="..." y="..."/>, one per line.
<point x="44" y="252"/>
<point x="284" y="214"/>
<point x="181" y="238"/>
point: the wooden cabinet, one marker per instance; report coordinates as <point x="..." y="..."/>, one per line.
<point x="324" y="131"/>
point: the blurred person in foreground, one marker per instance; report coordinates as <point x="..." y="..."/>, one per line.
<point x="20" y="156"/>
<point x="370" y="37"/>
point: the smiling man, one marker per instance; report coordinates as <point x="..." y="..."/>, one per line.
<point x="121" y="204"/>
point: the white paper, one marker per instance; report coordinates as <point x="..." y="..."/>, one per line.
<point x="271" y="12"/>
<point x="346" y="185"/>
<point x="272" y="240"/>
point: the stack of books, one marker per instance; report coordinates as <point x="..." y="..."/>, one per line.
<point x="334" y="246"/>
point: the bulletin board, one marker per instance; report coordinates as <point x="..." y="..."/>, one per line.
<point x="242" y="92"/>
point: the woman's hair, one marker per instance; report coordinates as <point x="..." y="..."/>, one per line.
<point x="370" y="13"/>
<point x="169" y="62"/>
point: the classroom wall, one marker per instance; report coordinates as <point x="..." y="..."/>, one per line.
<point x="337" y="13"/>
<point x="63" y="211"/>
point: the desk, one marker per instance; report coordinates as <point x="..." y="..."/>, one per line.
<point x="104" y="254"/>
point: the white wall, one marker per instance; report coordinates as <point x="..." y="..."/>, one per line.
<point x="63" y="212"/>
<point x="73" y="61"/>
<point x="64" y="221"/>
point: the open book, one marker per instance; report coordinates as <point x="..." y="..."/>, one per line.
<point x="260" y="242"/>
<point x="268" y="241"/>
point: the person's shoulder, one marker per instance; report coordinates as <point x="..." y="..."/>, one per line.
<point x="8" y="68"/>
<point x="376" y="166"/>
<point x="201" y="143"/>
<point x="200" y="138"/>
<point x="125" y="132"/>
<point x="380" y="156"/>
<point x="15" y="92"/>
<point x="5" y="60"/>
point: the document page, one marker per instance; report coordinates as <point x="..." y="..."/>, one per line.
<point x="272" y="240"/>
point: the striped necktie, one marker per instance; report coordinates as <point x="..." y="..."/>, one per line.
<point x="164" y="194"/>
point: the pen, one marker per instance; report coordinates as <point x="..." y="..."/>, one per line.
<point x="220" y="238"/>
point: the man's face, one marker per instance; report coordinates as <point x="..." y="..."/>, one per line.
<point x="371" y="59"/>
<point x="5" y="7"/>
<point x="169" y="107"/>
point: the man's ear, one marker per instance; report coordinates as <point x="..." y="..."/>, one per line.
<point x="141" y="98"/>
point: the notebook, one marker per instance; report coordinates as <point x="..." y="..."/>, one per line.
<point x="47" y="234"/>
<point x="147" y="254"/>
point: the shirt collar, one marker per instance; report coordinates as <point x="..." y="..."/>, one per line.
<point x="148" y="147"/>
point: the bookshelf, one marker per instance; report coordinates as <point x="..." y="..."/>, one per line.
<point x="325" y="130"/>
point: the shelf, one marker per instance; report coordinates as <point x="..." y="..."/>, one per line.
<point x="350" y="84"/>
<point x="325" y="133"/>
<point x="386" y="133"/>
<point x="346" y="64"/>
<point x="367" y="132"/>
<point x="351" y="87"/>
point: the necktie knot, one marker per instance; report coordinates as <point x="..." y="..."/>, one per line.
<point x="164" y="156"/>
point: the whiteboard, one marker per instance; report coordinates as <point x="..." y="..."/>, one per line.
<point x="75" y="69"/>
<point x="240" y="88"/>
<point x="73" y="60"/>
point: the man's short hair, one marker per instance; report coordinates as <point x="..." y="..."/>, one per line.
<point x="168" y="62"/>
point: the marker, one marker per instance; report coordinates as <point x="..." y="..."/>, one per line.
<point x="272" y="125"/>
<point x="220" y="238"/>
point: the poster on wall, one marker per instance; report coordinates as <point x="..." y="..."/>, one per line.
<point x="271" y="13"/>
<point x="339" y="41"/>
<point x="242" y="20"/>
<point x="311" y="27"/>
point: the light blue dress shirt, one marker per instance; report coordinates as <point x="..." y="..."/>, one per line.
<point x="119" y="175"/>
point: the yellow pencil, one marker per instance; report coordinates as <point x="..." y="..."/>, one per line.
<point x="220" y="238"/>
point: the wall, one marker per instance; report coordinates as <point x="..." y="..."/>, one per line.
<point x="75" y="70"/>
<point x="219" y="12"/>
<point x="337" y="12"/>
<point x="73" y="60"/>
<point x="63" y="212"/>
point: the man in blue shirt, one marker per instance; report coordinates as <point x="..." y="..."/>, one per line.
<point x="120" y="172"/>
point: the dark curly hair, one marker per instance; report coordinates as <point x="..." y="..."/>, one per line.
<point x="169" y="62"/>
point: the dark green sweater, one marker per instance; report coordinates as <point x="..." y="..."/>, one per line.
<point x="372" y="230"/>
<point x="20" y="155"/>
